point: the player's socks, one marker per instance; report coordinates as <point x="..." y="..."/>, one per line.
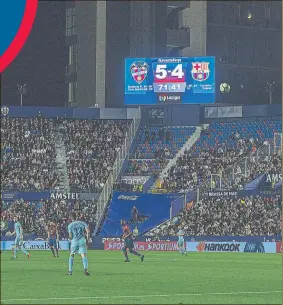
<point x="125" y="254"/>
<point x="15" y="253"/>
<point x="28" y="255"/>
<point x="85" y="262"/>
<point x="53" y="252"/>
<point x="135" y="253"/>
<point x="86" y="272"/>
<point x="71" y="263"/>
<point x="142" y="258"/>
<point x="24" y="250"/>
<point x="57" y="253"/>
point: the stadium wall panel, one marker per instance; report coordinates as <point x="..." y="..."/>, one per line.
<point x="173" y="115"/>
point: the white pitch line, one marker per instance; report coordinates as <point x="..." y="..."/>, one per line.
<point x="147" y="296"/>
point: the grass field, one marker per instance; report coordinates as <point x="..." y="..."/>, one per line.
<point x="163" y="278"/>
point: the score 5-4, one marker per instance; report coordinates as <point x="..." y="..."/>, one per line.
<point x="169" y="72"/>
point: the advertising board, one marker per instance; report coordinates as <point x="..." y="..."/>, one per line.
<point x="260" y="247"/>
<point x="35" y="245"/>
<point x="143" y="246"/>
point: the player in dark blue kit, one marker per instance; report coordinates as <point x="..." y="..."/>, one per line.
<point x="129" y="243"/>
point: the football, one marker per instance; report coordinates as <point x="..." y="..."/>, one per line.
<point x="225" y="88"/>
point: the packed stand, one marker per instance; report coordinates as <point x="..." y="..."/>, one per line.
<point x="219" y="146"/>
<point x="28" y="154"/>
<point x="91" y="148"/>
<point x="228" y="217"/>
<point x="145" y="167"/>
<point x="270" y="165"/>
<point x="153" y="148"/>
<point x="34" y="216"/>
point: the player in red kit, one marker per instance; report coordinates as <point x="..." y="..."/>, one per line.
<point x="53" y="237"/>
<point x="128" y="242"/>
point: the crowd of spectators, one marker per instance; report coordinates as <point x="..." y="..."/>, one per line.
<point x="160" y="142"/>
<point x="228" y="217"/>
<point x="28" y="154"/>
<point x="91" y="148"/>
<point x="270" y="165"/>
<point x="34" y="216"/>
<point x="145" y="167"/>
<point x="209" y="156"/>
<point x="154" y="147"/>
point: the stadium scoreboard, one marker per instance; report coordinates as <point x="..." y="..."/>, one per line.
<point x="188" y="80"/>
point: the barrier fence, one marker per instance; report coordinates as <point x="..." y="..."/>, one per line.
<point x="115" y="244"/>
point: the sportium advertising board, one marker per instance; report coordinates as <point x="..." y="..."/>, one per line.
<point x="178" y="80"/>
<point x="143" y="246"/>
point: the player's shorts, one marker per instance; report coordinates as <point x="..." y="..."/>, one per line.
<point x="52" y="242"/>
<point x="18" y="241"/>
<point x="78" y="246"/>
<point x="129" y="243"/>
<point x="181" y="243"/>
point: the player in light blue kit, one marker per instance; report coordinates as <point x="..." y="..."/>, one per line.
<point x="181" y="243"/>
<point x="18" y="230"/>
<point x="77" y="230"/>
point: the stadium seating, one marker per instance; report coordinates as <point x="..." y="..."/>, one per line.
<point x="154" y="146"/>
<point x="28" y="164"/>
<point x="27" y="154"/>
<point x="35" y="215"/>
<point x="151" y="140"/>
<point x="145" y="167"/>
<point x="218" y="147"/>
<point x="92" y="147"/>
<point x="228" y="217"/>
<point x="255" y="167"/>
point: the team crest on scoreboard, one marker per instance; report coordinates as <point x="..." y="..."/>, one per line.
<point x="139" y="71"/>
<point x="200" y="71"/>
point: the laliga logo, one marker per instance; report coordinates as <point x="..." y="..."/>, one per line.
<point x="16" y="22"/>
<point x="162" y="98"/>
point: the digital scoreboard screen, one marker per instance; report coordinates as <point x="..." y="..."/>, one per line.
<point x="187" y="80"/>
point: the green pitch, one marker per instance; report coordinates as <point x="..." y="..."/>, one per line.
<point x="163" y="278"/>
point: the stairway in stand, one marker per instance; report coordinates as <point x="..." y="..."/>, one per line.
<point x="61" y="162"/>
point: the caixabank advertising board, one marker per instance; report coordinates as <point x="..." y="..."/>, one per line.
<point x="35" y="245"/>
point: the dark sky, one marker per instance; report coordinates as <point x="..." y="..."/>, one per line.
<point x="41" y="63"/>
